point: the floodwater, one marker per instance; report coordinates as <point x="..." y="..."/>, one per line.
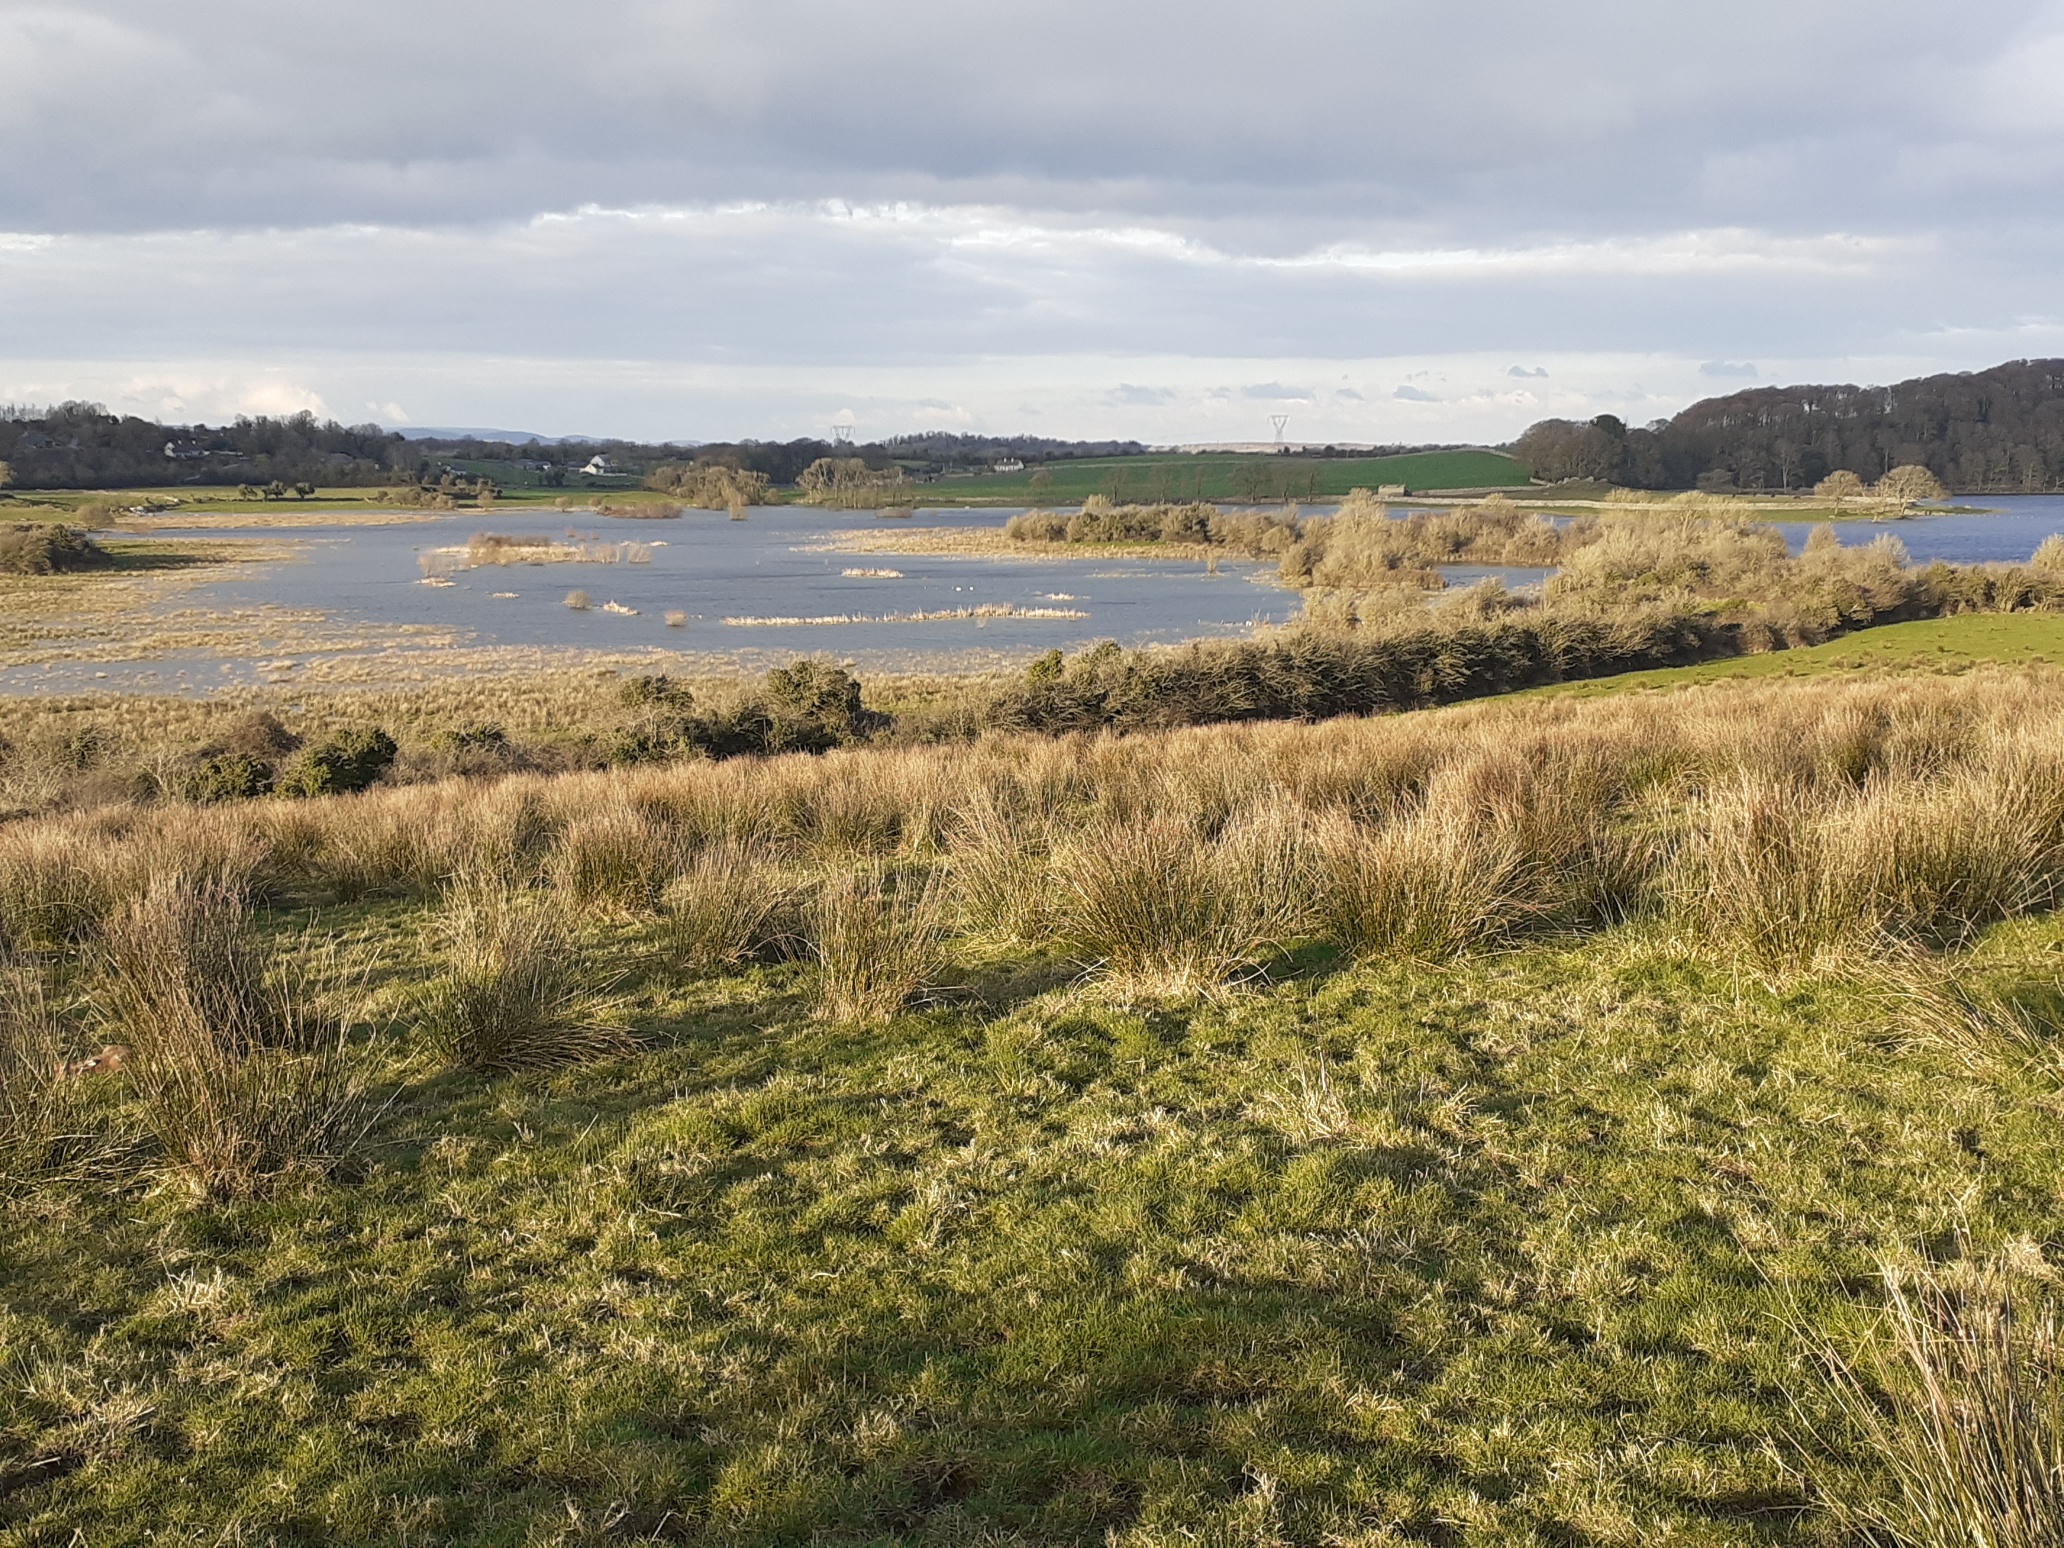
<point x="2006" y="532"/>
<point x="730" y="577"/>
<point x="771" y="566"/>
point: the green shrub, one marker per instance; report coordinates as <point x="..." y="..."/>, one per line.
<point x="231" y="776"/>
<point x="341" y="765"/>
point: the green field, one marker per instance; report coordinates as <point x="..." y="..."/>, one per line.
<point x="1938" y="644"/>
<point x="1226" y="476"/>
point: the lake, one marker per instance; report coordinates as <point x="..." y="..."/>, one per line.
<point x="768" y="589"/>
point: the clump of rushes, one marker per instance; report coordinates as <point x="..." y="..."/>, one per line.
<point x="1422" y="887"/>
<point x="579" y="601"/>
<point x="515" y="992"/>
<point x="878" y="940"/>
<point x="1164" y="911"/>
<point x="615" y="854"/>
<point x="1962" y="1401"/>
<point x="727" y="904"/>
<point x="44" y="1129"/>
<point x="999" y="870"/>
<point x="1760" y="878"/>
<point x="241" y="1066"/>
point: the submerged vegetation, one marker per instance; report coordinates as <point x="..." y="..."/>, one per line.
<point x="1544" y="1120"/>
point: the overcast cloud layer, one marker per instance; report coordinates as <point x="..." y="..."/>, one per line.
<point x="1393" y="221"/>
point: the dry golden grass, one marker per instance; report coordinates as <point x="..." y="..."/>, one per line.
<point x="240" y="1065"/>
<point x="1961" y="1393"/>
<point x="1785" y="826"/>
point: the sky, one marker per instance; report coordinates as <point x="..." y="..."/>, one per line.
<point x="1390" y="220"/>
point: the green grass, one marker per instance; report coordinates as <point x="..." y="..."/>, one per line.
<point x="1214" y="476"/>
<point x="1498" y="1254"/>
<point x="1937" y="644"/>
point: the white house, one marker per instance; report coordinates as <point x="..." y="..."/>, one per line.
<point x="597" y="466"/>
<point x="1010" y="465"/>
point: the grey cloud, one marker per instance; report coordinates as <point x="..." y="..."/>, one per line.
<point x="1276" y="392"/>
<point x="1348" y="393"/>
<point x="1537" y="371"/>
<point x="1150" y="397"/>
<point x="1727" y="368"/>
<point x="1414" y="395"/>
<point x="234" y="114"/>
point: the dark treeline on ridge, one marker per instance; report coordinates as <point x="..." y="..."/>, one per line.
<point x="1999" y="430"/>
<point x="83" y="446"/>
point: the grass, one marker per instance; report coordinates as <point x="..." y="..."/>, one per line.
<point x="1225" y="476"/>
<point x="1471" y="1214"/>
<point x="1953" y="644"/>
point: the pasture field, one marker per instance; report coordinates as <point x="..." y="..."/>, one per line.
<point x="1489" y="1125"/>
<point x="1952" y="644"/>
<point x="1229" y="477"/>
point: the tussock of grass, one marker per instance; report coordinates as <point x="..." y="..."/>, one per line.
<point x="516" y="991"/>
<point x="46" y="1129"/>
<point x="240" y="1066"/>
<point x="1962" y="1398"/>
<point x="1423" y="888"/>
<point x="728" y="903"/>
<point x="877" y="936"/>
<point x="1157" y="909"/>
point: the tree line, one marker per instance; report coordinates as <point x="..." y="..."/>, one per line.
<point x="1994" y="431"/>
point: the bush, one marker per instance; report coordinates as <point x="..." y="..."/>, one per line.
<point x="340" y="765"/>
<point x="35" y="549"/>
<point x="226" y="777"/>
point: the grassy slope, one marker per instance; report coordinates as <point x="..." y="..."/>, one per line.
<point x="1501" y="1254"/>
<point x="1941" y="644"/>
<point x="1213" y="477"/>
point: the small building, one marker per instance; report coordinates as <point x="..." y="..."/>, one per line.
<point x="1392" y="491"/>
<point x="1009" y="465"/>
<point x="598" y="467"/>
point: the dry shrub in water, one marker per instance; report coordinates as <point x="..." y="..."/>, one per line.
<point x="515" y="992"/>
<point x="727" y="904"/>
<point x="241" y="1065"/>
<point x="1970" y="1423"/>
<point x="1163" y="910"/>
<point x="877" y="937"/>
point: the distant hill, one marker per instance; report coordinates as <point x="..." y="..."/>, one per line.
<point x="1995" y="431"/>
<point x="511" y="437"/>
